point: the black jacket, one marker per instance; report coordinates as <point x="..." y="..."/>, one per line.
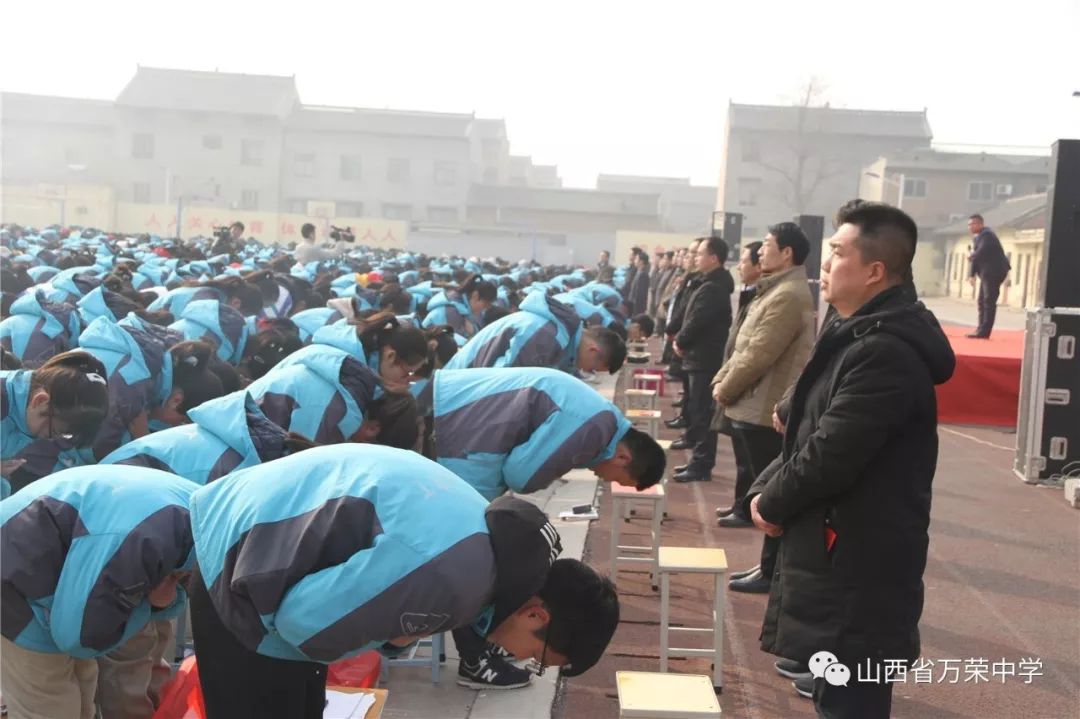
<point x="638" y="298"/>
<point x="988" y="259"/>
<point x="704" y="329"/>
<point x="859" y="455"/>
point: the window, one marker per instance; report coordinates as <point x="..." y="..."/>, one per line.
<point x="914" y="188"/>
<point x="442" y="214"/>
<point x="211" y="142"/>
<point x="980" y="191"/>
<point x="350" y="209"/>
<point x="749" y="189"/>
<point x="351" y="167"/>
<point x="297" y="207"/>
<point x="304" y="164"/>
<point x="397" y="212"/>
<point x="251" y="153"/>
<point x="142" y="146"/>
<point x="140" y="192"/>
<point x="397" y="170"/>
<point x="445" y="174"/>
<point x="249" y="199"/>
<point x="751" y="151"/>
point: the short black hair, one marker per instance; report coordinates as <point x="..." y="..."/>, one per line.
<point x="978" y="217"/>
<point x="886" y="234"/>
<point x="716" y="247"/>
<point x="611" y="345"/>
<point x="307" y="230"/>
<point x="397" y="416"/>
<point x="646" y="323"/>
<point x="239" y="224"/>
<point x="755" y="252"/>
<point x="648" y="460"/>
<point x="584" y="608"/>
<point x="788" y="234"/>
<point x="845" y="210"/>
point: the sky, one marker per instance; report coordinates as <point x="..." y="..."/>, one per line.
<point x="592" y="86"/>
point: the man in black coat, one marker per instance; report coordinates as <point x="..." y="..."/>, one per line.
<point x="700" y="343"/>
<point x="849" y="496"/>
<point x="689" y="282"/>
<point x="990" y="264"/>
<point x="638" y="298"/>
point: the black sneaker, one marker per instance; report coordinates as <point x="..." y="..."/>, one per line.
<point x="804" y="686"/>
<point x="790" y="668"/>
<point x="491" y="672"/>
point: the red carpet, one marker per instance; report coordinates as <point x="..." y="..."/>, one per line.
<point x="985" y="388"/>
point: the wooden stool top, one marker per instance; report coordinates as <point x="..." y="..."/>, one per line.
<point x="651" y="695"/>
<point x="641" y="392"/>
<point x="638" y="357"/>
<point x="692" y="559"/>
<point x="654" y="492"/>
<point x="642" y="414"/>
<point x="665" y="444"/>
<point x="648" y="377"/>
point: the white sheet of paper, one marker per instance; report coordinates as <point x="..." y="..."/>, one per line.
<point x="342" y="705"/>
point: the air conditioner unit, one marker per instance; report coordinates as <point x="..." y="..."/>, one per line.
<point x="1004" y="190"/>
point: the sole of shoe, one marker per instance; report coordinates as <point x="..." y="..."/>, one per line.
<point x="470" y="684"/>
<point x="789" y="674"/>
<point x="800" y="692"/>
<point x="749" y="588"/>
<point x="744" y="573"/>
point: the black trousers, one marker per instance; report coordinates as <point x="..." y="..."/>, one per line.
<point x="857" y="700"/>
<point x="470" y="645"/>
<point x="698" y="409"/>
<point x="760" y="446"/>
<point x="238" y="683"/>
<point x="989" y="289"/>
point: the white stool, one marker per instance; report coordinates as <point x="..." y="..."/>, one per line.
<point x="620" y="496"/>
<point x="647" y="419"/>
<point x="640" y="348"/>
<point x="640" y="399"/>
<point x="647" y="695"/>
<point x="698" y="560"/>
<point x="644" y="380"/>
<point x="437" y="642"/>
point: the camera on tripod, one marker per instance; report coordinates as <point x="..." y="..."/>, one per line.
<point x="342" y="234"/>
<point x="223" y="233"/>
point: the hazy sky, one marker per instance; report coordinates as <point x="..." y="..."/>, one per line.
<point x="618" y="87"/>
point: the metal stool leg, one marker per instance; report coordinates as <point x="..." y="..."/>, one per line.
<point x="665" y="608"/>
<point x="615" y="511"/>
<point x="718" y="633"/>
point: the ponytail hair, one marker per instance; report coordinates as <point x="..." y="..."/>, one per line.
<point x="382" y="329"/>
<point x="121" y="305"/>
<point x="267" y="348"/>
<point x="192" y="373"/>
<point x="394" y="298"/>
<point x="78" y="393"/>
<point x="250" y="296"/>
<point x="443" y="346"/>
<point x="265" y="282"/>
<point x="485" y="290"/>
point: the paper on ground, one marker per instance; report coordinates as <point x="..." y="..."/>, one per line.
<point x="342" y="705"/>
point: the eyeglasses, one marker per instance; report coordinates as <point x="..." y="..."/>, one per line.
<point x="535" y="667"/>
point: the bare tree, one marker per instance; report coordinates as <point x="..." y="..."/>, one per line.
<point x="809" y="162"/>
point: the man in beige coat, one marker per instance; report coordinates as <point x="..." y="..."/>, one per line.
<point x="770" y="350"/>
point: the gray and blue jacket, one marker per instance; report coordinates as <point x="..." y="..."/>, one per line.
<point x="592" y="315"/>
<point x="537" y="424"/>
<point x="336" y="550"/>
<point x="320" y="392"/>
<point x="217" y="323"/>
<point x="225" y="434"/>
<point x="450" y="308"/>
<point x="82" y="548"/>
<point x="38" y="329"/>
<point x="543" y="333"/>
<point x="175" y="300"/>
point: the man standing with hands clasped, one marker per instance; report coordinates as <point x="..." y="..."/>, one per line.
<point x="849" y="496"/>
<point x="990" y="264"/>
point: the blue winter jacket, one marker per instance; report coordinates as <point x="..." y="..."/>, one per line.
<point x="42" y="456"/>
<point x="37" y="329"/>
<point x="592" y="315"/>
<point x="175" y="300"/>
<point x="543" y="333"/>
<point x="450" y="308"/>
<point x="82" y="548"/>
<point x="320" y="392"/>
<point x="311" y="321"/>
<point x="140" y="373"/>
<point x="538" y="424"/>
<point x="217" y="323"/>
<point x="71" y="284"/>
<point x="225" y="434"/>
<point x="338" y="549"/>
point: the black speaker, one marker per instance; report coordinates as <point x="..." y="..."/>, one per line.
<point x="1061" y="251"/>
<point x="733" y="233"/>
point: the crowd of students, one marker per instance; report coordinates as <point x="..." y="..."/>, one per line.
<point x="315" y="450"/>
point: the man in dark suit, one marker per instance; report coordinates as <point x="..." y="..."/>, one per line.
<point x="991" y="266"/>
<point x="638" y="299"/>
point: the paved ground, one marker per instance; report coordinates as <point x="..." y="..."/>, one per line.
<point x="950" y="310"/>
<point x="1001" y="583"/>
